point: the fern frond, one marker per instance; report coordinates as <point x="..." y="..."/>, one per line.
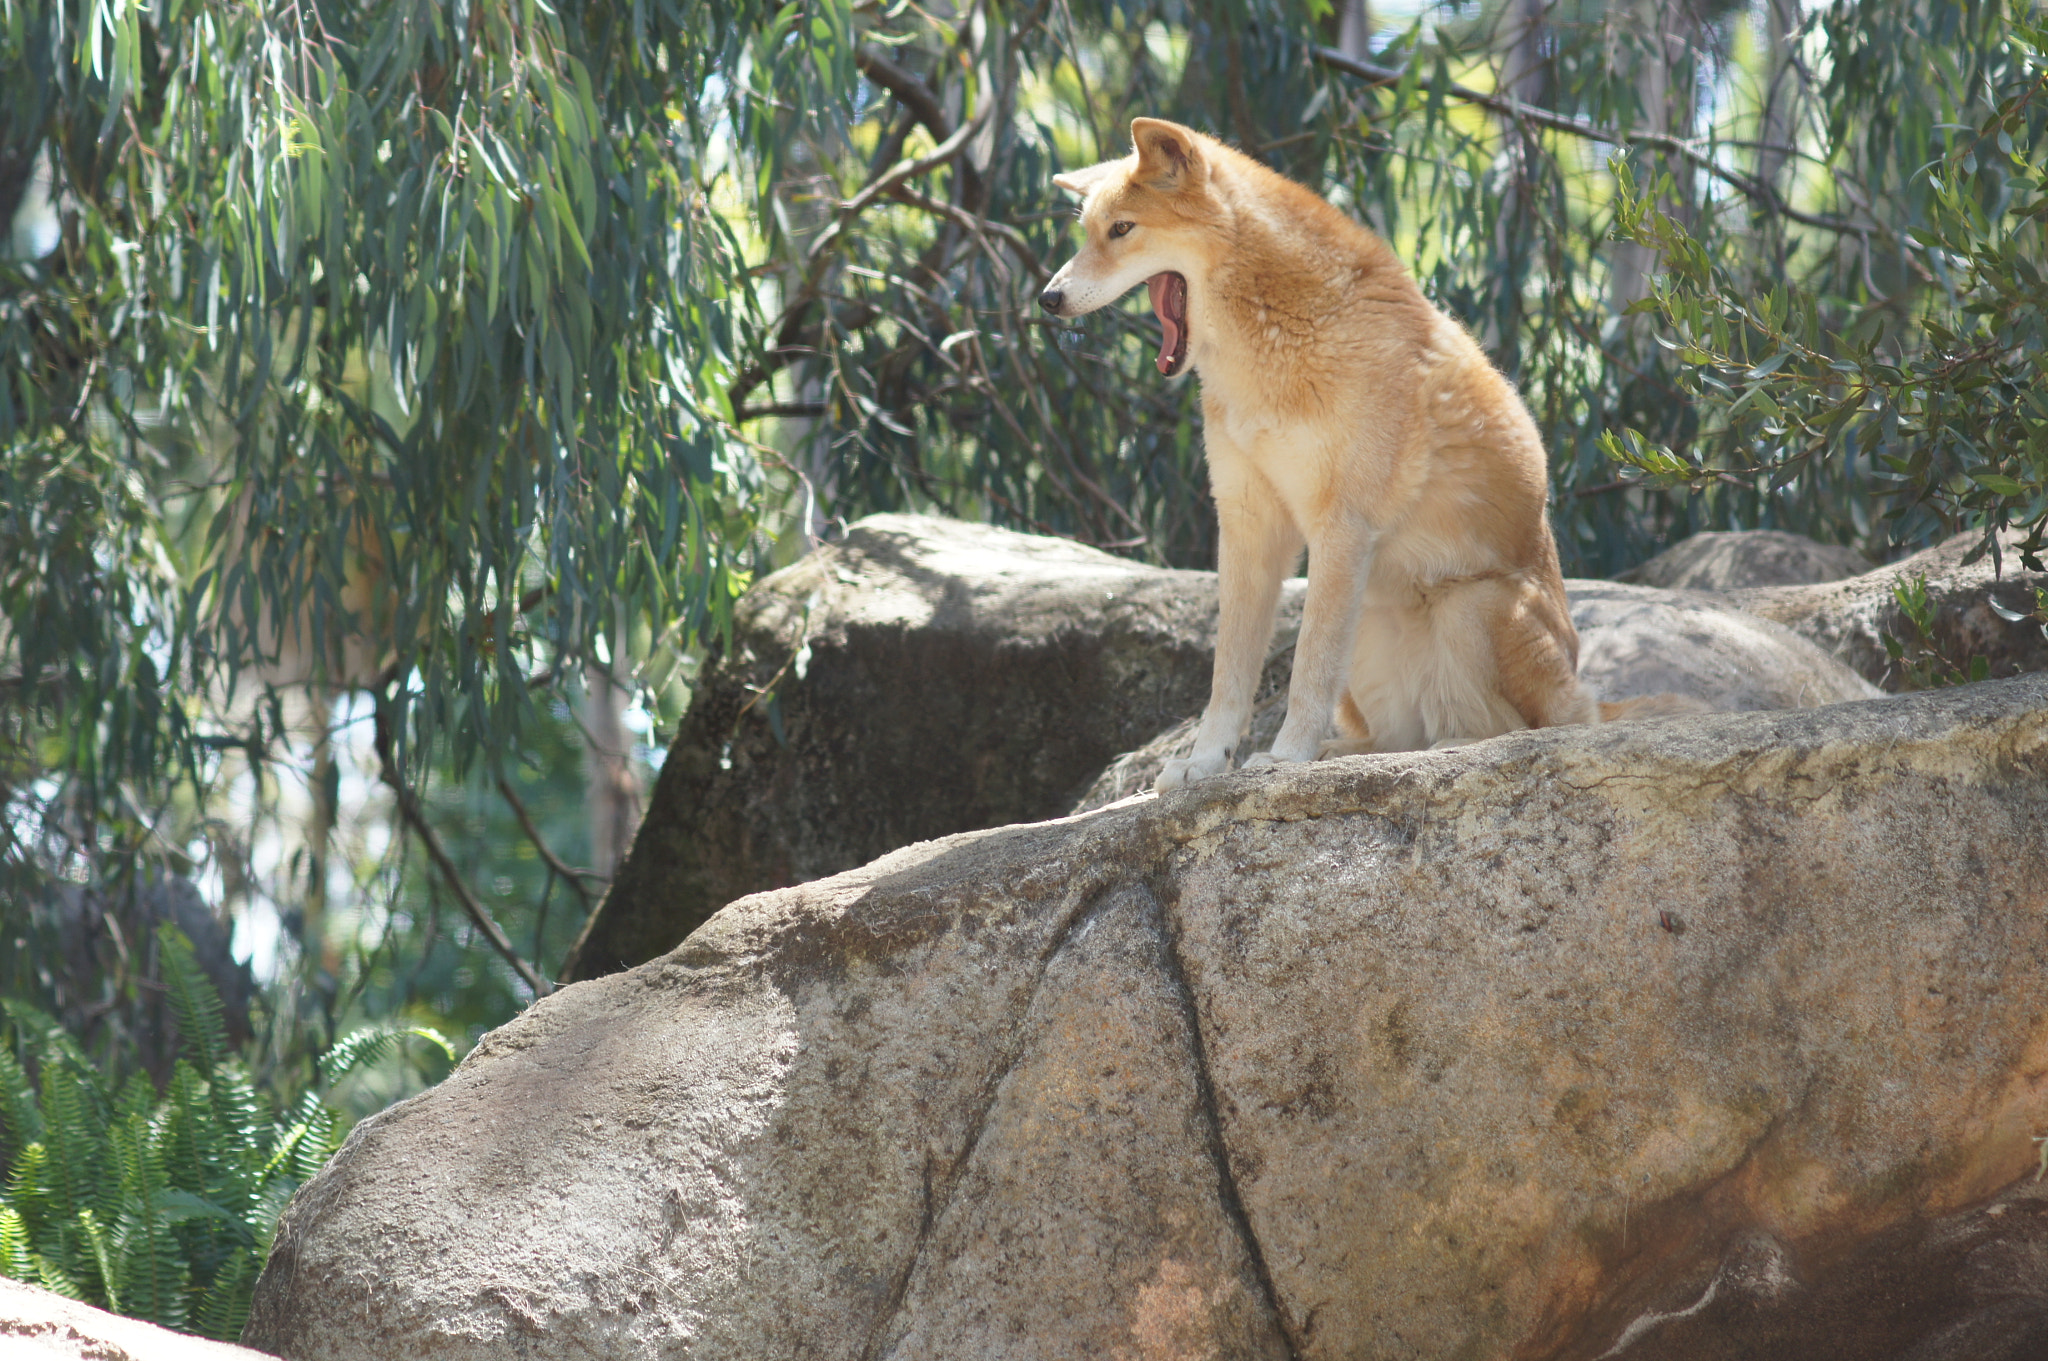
<point x="41" y="1033"/>
<point x="187" y="1110"/>
<point x="264" y="1214"/>
<point x="28" y="1181"/>
<point x="194" y="1000"/>
<point x="323" y="1136"/>
<point x="103" y="1257"/>
<point x="55" y="1279"/>
<point x="21" y="1123"/>
<point x="151" y="1266"/>
<point x="282" y="1152"/>
<point x="17" y="1259"/>
<point x="240" y="1130"/>
<point x="74" y="1133"/>
<point x="224" y="1305"/>
<point x="371" y="1043"/>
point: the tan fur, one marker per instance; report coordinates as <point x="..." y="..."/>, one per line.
<point x="1342" y="412"/>
<point x="1653" y="706"/>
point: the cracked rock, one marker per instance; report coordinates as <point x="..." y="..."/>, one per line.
<point x="1383" y="1057"/>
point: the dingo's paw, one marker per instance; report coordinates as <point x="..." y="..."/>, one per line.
<point x="1183" y="771"/>
<point x="1260" y="760"/>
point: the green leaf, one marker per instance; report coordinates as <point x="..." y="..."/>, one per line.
<point x="1769" y="366"/>
<point x="2000" y="483"/>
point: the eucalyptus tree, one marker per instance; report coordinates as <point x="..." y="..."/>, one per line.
<point x="381" y="349"/>
<point x="433" y="359"/>
<point x="1905" y="347"/>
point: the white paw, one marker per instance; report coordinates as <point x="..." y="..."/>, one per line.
<point x="1283" y="754"/>
<point x="1186" y="770"/>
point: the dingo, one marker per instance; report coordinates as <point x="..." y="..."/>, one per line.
<point x="1342" y="412"/>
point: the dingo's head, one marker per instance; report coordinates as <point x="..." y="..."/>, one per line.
<point x="1137" y="213"/>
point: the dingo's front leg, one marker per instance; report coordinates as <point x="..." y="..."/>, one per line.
<point x="1339" y="560"/>
<point x="1256" y="547"/>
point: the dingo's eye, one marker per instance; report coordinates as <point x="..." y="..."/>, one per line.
<point x="1120" y="229"/>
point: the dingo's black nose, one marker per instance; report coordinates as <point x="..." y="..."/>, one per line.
<point x="1051" y="299"/>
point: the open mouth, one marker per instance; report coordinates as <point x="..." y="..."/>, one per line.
<point x="1170" y="300"/>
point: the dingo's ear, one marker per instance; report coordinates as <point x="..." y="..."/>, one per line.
<point x="1168" y="158"/>
<point x="1082" y="180"/>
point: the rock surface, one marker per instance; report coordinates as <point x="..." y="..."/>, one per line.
<point x="36" y="1325"/>
<point x="1970" y="1286"/>
<point x="1633" y="640"/>
<point x="1729" y="560"/>
<point x="1638" y="640"/>
<point x="930" y="677"/>
<point x="933" y="677"/>
<point x="1510" y="1050"/>
<point x="1849" y="618"/>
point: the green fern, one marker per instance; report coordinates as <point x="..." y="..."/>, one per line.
<point x="371" y="1043"/>
<point x="17" y="1260"/>
<point x="194" y="1002"/>
<point x="161" y="1205"/>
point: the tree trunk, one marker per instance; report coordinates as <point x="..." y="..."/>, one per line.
<point x="611" y="794"/>
<point x="1666" y="32"/>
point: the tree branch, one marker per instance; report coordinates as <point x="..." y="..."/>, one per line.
<point x="572" y="877"/>
<point x="801" y="410"/>
<point x="980" y="226"/>
<point x="912" y="93"/>
<point x="806" y="294"/>
<point x="415" y="818"/>
<point x="900" y="172"/>
<point x="1592" y="132"/>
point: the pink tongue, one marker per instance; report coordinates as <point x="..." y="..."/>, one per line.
<point x="1170" y="301"/>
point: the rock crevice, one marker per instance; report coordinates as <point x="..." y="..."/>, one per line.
<point x="1215" y="1142"/>
<point x="1490" y="1052"/>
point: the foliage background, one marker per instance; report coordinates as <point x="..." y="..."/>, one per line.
<point x="395" y="395"/>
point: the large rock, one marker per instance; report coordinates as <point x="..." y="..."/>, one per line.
<point x="1729" y="560"/>
<point x="1516" y="1049"/>
<point x="929" y="677"/>
<point x="36" y="1325"/>
<point x="1849" y="618"/>
<point x="933" y="677"/>
<point x="1633" y="641"/>
<point x="1638" y="640"/>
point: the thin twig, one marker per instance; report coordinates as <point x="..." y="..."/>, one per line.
<point x="792" y="324"/>
<point x="977" y="224"/>
<point x="573" y="877"/>
<point x="902" y="171"/>
<point x="415" y="818"/>
<point x="1579" y="127"/>
<point x="800" y="410"/>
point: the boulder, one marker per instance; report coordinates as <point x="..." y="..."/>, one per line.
<point x="1638" y="640"/>
<point x="1519" y="1049"/>
<point x="923" y="677"/>
<point x="1728" y="560"/>
<point x="1849" y="618"/>
<point x="927" y="676"/>
<point x="1633" y="640"/>
<point x="37" y="1325"/>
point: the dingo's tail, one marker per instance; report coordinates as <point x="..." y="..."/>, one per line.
<point x="1653" y="706"/>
